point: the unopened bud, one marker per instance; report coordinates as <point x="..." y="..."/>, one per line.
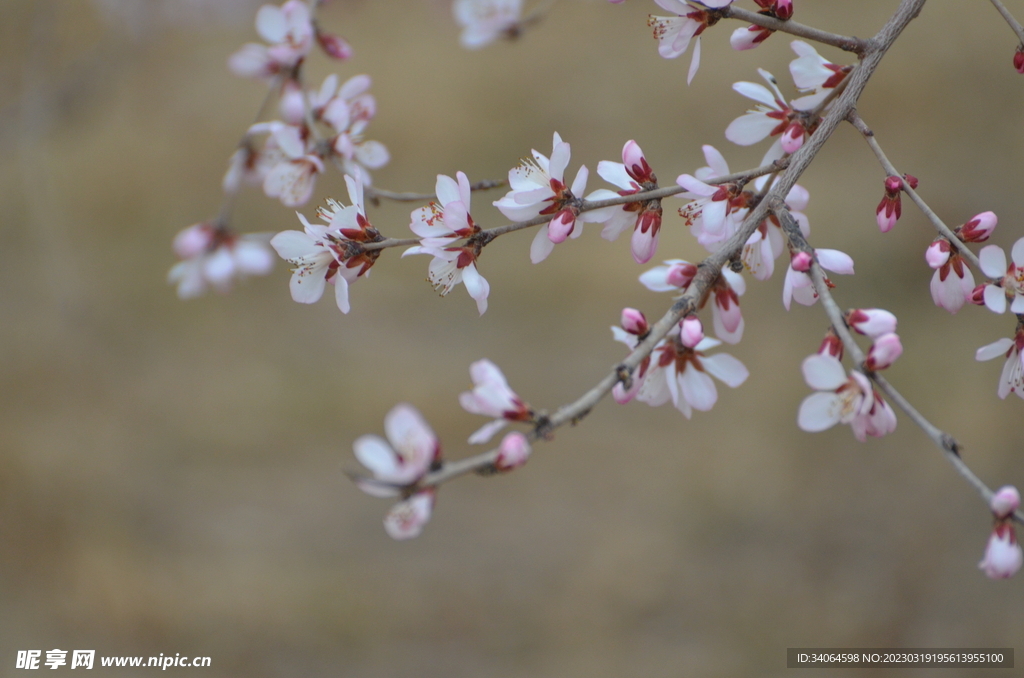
<point x="884" y="352"/>
<point x="1003" y="556"/>
<point x="1005" y="501"/>
<point x="691" y="331"/>
<point x="872" y="322"/>
<point x="681" y="274"/>
<point x="633" y="321"/>
<point x="1018" y="60"/>
<point x="793" y="138"/>
<point x="979" y="228"/>
<point x="832" y="345"/>
<point x="334" y="46"/>
<point x="513" y="451"/>
<point x="784" y="9"/>
<point x="937" y="253"/>
<point x="801" y="261"/>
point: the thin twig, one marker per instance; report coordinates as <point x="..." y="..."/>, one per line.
<point x="1014" y="24"/>
<point x="843" y="42"/>
<point x="891" y="170"/>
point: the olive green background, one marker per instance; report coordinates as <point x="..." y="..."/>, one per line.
<point x="171" y="473"/>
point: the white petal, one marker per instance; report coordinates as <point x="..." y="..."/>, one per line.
<point x="307" y="284"/>
<point x="541" y="247"/>
<point x="1017" y="253"/>
<point x="993" y="261"/>
<point x="819" y="411"/>
<point x="477" y="286"/>
<point x="995" y="298"/>
<point x="823" y="372"/>
<point x="487" y="431"/>
<point x="698" y="389"/>
<point x="750" y="128"/>
<point x="694" y="62"/>
<point x="341" y="293"/>
<point x="996" y="349"/>
<point x="726" y="368"/>
<point x="374" y="453"/>
<point x="447" y="190"/>
<point x="834" y="260"/>
<point x="759" y="93"/>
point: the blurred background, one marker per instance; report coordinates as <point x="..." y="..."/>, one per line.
<point x="171" y="473"/>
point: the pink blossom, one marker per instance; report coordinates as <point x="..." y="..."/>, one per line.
<point x="348" y="109"/>
<point x="484" y="21"/>
<point x="1003" y="555"/>
<point x="409" y="452"/>
<point x="841" y="399"/>
<point x="1009" y="280"/>
<point x="798" y="286"/>
<point x="1005" y="501"/>
<point x="296" y="164"/>
<point x="767" y="242"/>
<point x="492" y="397"/>
<point x="675" y="33"/>
<point x="634" y="329"/>
<point x="513" y="451"/>
<point x="324" y="252"/>
<point x="771" y="117"/>
<point x="748" y="37"/>
<point x="681" y="374"/>
<point x="812" y="73"/>
<point x="538" y="189"/>
<point x="873" y="322"/>
<point x="406" y="519"/>
<point x="216" y="257"/>
<point x="439" y="225"/>
<point x="953" y="283"/>
<point x="289" y="31"/>
<point x="632" y="175"/>
<point x="1011" y="380"/>
<point x="634" y="322"/>
<point x="883" y="352"/>
<point x="715" y="211"/>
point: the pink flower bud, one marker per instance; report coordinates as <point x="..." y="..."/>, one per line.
<point x="293" y="103"/>
<point x="872" y="322"/>
<point x="635" y="162"/>
<point x="513" y="452"/>
<point x="634" y="322"/>
<point x="748" y="37"/>
<point x="193" y="241"/>
<point x="784" y="9"/>
<point x="937" y="253"/>
<point x="801" y="261"/>
<point x="691" y="331"/>
<point x="682" y="274"/>
<point x="1005" y="501"/>
<point x="893" y="186"/>
<point x="978" y="295"/>
<point x="334" y="46"/>
<point x="793" y="138"/>
<point x="832" y="345"/>
<point x="911" y="180"/>
<point x="1003" y="556"/>
<point x="561" y="226"/>
<point x="1018" y="60"/>
<point x="888" y="213"/>
<point x="884" y="352"/>
<point x="979" y="228"/>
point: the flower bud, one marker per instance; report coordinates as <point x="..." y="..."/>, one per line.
<point x="691" y="331"/>
<point x="784" y="9"/>
<point x="193" y="241"/>
<point x="1003" y="556"/>
<point x="832" y="345"/>
<point x="634" y="322"/>
<point x="681" y="274"/>
<point x="636" y="164"/>
<point x="334" y="46"/>
<point x="801" y="261"/>
<point x="1018" y="60"/>
<point x="748" y="37"/>
<point x="978" y="295"/>
<point x="937" y="253"/>
<point x="884" y="352"/>
<point x="872" y="322"/>
<point x="513" y="451"/>
<point x="979" y="228"/>
<point x="1005" y="501"/>
<point x="793" y="138"/>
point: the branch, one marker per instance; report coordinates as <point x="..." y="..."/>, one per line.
<point x="891" y="170"/>
<point x="845" y="43"/>
<point x="945" y="441"/>
<point x="1014" y="24"/>
<point x="373" y="193"/>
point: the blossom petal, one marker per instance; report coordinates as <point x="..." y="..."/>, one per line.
<point x="819" y="411"/>
<point x="823" y="372"/>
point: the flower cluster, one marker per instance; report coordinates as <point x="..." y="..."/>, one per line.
<point x="215" y="257"/>
<point x="1003" y="555"/>
<point x="842" y="399"/>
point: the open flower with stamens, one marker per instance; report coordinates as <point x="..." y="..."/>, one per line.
<point x="674" y="34"/>
<point x="841" y="399"/>
<point x="330" y="252"/>
<point x="484" y="21"/>
<point x="768" y="242"/>
<point x="439" y="225"/>
<point x="1012" y="378"/>
<point x="1010" y="279"/>
<point x="715" y="212"/>
<point x="538" y="189"/>
<point x="492" y="397"/>
<point x="771" y="117"/>
<point x="406" y="519"/>
<point x="812" y="73"/>
<point x="216" y="257"/>
<point x="632" y="175"/>
<point x="681" y="374"/>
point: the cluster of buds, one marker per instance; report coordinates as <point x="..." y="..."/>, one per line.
<point x="752" y="36"/>
<point x="953" y="283"/>
<point x="1003" y="555"/>
<point x="890" y="209"/>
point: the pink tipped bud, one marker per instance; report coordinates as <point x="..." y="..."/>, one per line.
<point x="680" y="275"/>
<point x="888" y="213"/>
<point x="1018" y="60"/>
<point x="634" y="322"/>
<point x="691" y="331"/>
<point x="1003" y="556"/>
<point x="911" y="180"/>
<point x="801" y="261"/>
<point x="748" y="38"/>
<point x="784" y="9"/>
<point x="334" y="46"/>
<point x="636" y="164"/>
<point x="978" y="295"/>
<point x="561" y="226"/>
<point x="793" y="138"/>
<point x="872" y="322"/>
<point x="1005" y="501"/>
<point x="513" y="451"/>
<point x="193" y="241"/>
<point x="937" y="253"/>
<point x="832" y="345"/>
<point x="893" y="186"/>
<point x="884" y="352"/>
<point x="979" y="228"/>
